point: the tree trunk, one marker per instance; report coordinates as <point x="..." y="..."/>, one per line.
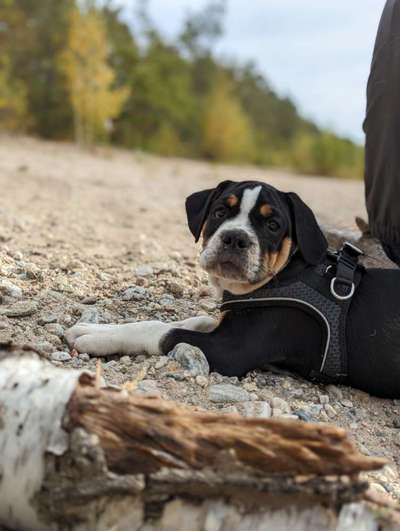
<point x="74" y="456"/>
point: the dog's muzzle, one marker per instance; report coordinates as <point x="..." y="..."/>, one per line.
<point x="232" y="255"/>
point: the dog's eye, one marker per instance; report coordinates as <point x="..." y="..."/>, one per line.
<point x="273" y="225"/>
<point x="220" y="212"/>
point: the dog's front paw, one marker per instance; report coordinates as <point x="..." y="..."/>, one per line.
<point x="96" y="340"/>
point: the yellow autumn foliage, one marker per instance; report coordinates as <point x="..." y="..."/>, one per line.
<point x="227" y="131"/>
<point x="90" y="78"/>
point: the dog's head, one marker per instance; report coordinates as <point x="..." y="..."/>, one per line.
<point x="250" y="231"/>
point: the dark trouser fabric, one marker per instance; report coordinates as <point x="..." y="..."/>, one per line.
<point x="382" y="128"/>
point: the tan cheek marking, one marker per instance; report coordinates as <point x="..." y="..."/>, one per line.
<point x="232" y="200"/>
<point x="279" y="260"/>
<point x="265" y="210"/>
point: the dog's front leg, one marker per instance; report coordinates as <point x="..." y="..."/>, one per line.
<point x="131" y="338"/>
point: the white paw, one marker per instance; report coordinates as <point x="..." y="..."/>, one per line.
<point x="103" y="340"/>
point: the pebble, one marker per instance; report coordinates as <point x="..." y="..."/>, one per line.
<point x="330" y="411"/>
<point x="208" y="306"/>
<point x="161" y="362"/>
<point x="259" y="409"/>
<point x="336" y="392"/>
<point x="55" y="328"/>
<point x="61" y="356"/>
<point x="346" y="403"/>
<point x="47" y="318"/>
<point x="149" y="388"/>
<point x="44" y="346"/>
<point x="144" y="271"/>
<point x="278" y="403"/>
<point x="84" y="357"/>
<point x="7" y="288"/>
<point x="4" y="325"/>
<point x="202" y="381"/>
<point x="89" y="300"/>
<point x="175" y="288"/>
<point x="126" y="360"/>
<point x="229" y="410"/>
<point x="134" y="293"/>
<point x="221" y="393"/>
<point x="20" y="309"/>
<point x="191" y="358"/>
<point x="90" y="315"/>
<point x="323" y="399"/>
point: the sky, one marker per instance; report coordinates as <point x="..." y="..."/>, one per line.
<point x="318" y="52"/>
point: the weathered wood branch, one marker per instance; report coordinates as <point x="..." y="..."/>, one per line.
<point x="78" y="457"/>
<point x="143" y="435"/>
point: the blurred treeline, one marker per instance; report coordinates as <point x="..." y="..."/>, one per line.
<point x="74" y="69"/>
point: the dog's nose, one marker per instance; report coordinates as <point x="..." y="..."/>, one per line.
<point x="235" y="239"/>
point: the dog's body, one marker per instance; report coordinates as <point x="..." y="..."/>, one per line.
<point x="253" y="234"/>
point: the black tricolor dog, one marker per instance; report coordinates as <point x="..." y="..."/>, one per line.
<point x="287" y="302"/>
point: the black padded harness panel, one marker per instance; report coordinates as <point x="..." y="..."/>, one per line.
<point x="311" y="291"/>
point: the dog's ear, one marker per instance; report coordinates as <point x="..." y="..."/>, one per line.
<point x="310" y="240"/>
<point x="198" y="207"/>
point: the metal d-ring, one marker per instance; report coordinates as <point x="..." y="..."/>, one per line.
<point x="342" y="297"/>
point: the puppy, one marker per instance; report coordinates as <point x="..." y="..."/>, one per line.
<point x="254" y="236"/>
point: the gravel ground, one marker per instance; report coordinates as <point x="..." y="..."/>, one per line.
<point x="101" y="237"/>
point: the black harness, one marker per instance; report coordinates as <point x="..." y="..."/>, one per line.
<point x="324" y="291"/>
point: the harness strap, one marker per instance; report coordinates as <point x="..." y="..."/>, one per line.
<point x="325" y="292"/>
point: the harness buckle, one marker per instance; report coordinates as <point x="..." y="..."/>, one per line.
<point x="342" y="297"/>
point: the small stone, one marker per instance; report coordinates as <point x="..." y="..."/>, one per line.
<point x="162" y="362"/>
<point x="47" y="318"/>
<point x="149" y="388"/>
<point x="229" y="410"/>
<point x="33" y="272"/>
<point x="89" y="300"/>
<point x="258" y="409"/>
<point x="4" y="325"/>
<point x="330" y="411"/>
<point x="144" y="271"/>
<point x="250" y="386"/>
<point x="303" y="415"/>
<point x="221" y="393"/>
<point x="191" y="358"/>
<point x="126" y="360"/>
<point x="346" y="403"/>
<point x="44" y="346"/>
<point x="84" y="357"/>
<point x="202" y="381"/>
<point x="288" y="416"/>
<point x="276" y="412"/>
<point x="55" y="328"/>
<point x="9" y="289"/>
<point x="336" y="392"/>
<point x="208" y="305"/>
<point x="323" y="399"/>
<point x="61" y="356"/>
<point x="175" y="288"/>
<point x="20" y="309"/>
<point x="278" y="403"/>
<point x="134" y="293"/>
<point x="90" y="315"/>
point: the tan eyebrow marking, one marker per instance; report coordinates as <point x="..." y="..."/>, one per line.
<point x="265" y="210"/>
<point x="232" y="200"/>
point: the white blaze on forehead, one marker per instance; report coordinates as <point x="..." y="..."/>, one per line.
<point x="249" y="199"/>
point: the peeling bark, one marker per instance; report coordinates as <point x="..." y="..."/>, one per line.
<point x="77" y="457"/>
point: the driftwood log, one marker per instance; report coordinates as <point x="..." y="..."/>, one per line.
<point x="77" y="456"/>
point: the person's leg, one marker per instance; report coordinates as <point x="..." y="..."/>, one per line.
<point x="382" y="128"/>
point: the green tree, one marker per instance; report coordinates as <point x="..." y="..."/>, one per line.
<point x="227" y="132"/>
<point x="90" y="78"/>
<point x="32" y="35"/>
<point x="13" y="101"/>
